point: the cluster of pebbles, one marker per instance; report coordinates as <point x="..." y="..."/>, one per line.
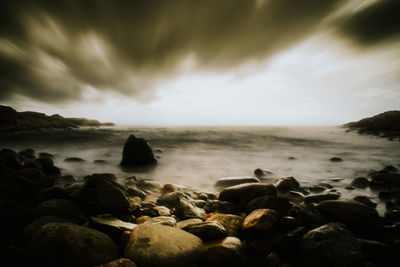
<point x="54" y="220"/>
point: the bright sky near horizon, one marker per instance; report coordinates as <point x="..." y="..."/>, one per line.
<point x="210" y="63"/>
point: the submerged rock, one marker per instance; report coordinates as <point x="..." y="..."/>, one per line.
<point x="158" y="245"/>
<point x="336" y="159"/>
<point x="137" y="152"/>
<point x="360" y="182"/>
<point x="67" y="244"/>
<point x="74" y="160"/>
<point x="331" y="245"/>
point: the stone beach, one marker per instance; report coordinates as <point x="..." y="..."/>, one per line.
<point x="52" y="220"/>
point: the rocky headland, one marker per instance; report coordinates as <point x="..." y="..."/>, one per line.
<point x="14" y="121"/>
<point x="49" y="219"/>
<point x="386" y="124"/>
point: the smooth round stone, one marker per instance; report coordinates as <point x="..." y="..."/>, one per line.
<point x="207" y="231"/>
<point x="231" y="223"/>
<point x="164" y="220"/>
<point x="260" y="220"/>
<point x="231" y="181"/>
<point x="159" y="245"/>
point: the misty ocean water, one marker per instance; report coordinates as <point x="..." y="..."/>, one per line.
<point x="198" y="156"/>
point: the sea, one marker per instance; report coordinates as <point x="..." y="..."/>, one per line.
<point x="197" y="156"/>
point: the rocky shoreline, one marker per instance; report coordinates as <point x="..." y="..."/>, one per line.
<point x="53" y="220"/>
<point x="12" y="121"/>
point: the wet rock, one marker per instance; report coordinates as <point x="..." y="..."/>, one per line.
<point x="243" y="193"/>
<point x="326" y="185"/>
<point x="206" y="231"/>
<point x="74" y="160"/>
<point x="122" y="262"/>
<point x="27" y="154"/>
<point x="54" y="193"/>
<point x="278" y="204"/>
<point x="231" y="223"/>
<point x="260" y="173"/>
<point x="321" y="197"/>
<point x="184" y="206"/>
<point x="391" y="217"/>
<point x="352" y="213"/>
<point x="100" y="194"/>
<point x="32" y="174"/>
<point x="225" y="252"/>
<point x="159" y="245"/>
<point x="48" y="167"/>
<point x="221" y="207"/>
<point x="260" y="221"/>
<point x="137" y="152"/>
<point x="162" y="211"/>
<point x="231" y="181"/>
<point x="385" y="179"/>
<point x="316" y="189"/>
<point x="336" y="159"/>
<point x="366" y="201"/>
<point x="142" y="219"/>
<point x="287" y="184"/>
<point x="163" y="220"/>
<point x="349" y="188"/>
<point x="66" y="244"/>
<point x="336" y="179"/>
<point x="360" y="182"/>
<point x="331" y="244"/>
<point x="110" y="226"/>
<point x="386" y="195"/>
<point x="273" y="260"/>
<point x="134" y="192"/>
<point x="390" y="168"/>
<point x="67" y="180"/>
<point x="287" y="223"/>
<point x="59" y="207"/>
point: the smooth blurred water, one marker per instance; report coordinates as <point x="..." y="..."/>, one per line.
<point x="197" y="156"/>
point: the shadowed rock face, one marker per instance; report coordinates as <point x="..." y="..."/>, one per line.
<point x="385" y="124"/>
<point x="137" y="152"/>
<point x="13" y="121"/>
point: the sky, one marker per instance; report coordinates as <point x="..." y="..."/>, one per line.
<point x="208" y="62"/>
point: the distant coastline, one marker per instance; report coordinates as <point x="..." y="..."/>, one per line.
<point x="386" y="124"/>
<point x="14" y="121"/>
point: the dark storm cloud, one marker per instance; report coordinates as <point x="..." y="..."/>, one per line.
<point x="373" y="24"/>
<point x="55" y="50"/>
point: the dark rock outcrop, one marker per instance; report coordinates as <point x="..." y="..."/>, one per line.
<point x="137" y="152"/>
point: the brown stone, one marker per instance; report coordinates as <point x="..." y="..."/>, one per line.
<point x="142" y="219"/>
<point x="260" y="220"/>
<point x="232" y="223"/>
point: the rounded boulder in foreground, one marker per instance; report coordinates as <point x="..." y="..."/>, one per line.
<point x="67" y="244"/>
<point x="159" y="245"/>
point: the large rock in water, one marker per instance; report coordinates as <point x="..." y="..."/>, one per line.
<point x="330" y="245"/>
<point x="137" y="152"/>
<point x="159" y="245"/>
<point x="67" y="244"/>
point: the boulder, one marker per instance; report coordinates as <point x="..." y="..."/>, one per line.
<point x="231" y="223"/>
<point x="100" y="194"/>
<point x="10" y="159"/>
<point x="231" y="181"/>
<point x="67" y="244"/>
<point x="33" y="227"/>
<point x="206" y="231"/>
<point x="137" y="152"/>
<point x="287" y="184"/>
<point x="260" y="221"/>
<point x="243" y="193"/>
<point x="48" y="167"/>
<point x="280" y="205"/>
<point x="360" y="182"/>
<point x="352" y="213"/>
<point x="159" y="245"/>
<point x="225" y="252"/>
<point x="331" y="245"/>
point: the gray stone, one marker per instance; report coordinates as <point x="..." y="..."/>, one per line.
<point x="231" y="181"/>
<point x="184" y="205"/>
<point x="164" y="220"/>
<point x="158" y="245"/>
